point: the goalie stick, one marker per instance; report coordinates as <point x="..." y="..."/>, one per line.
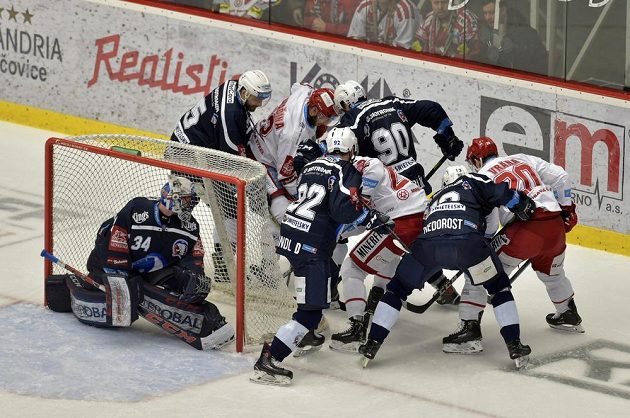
<point x="150" y="316"/>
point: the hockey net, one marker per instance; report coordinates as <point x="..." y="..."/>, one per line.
<point x="90" y="178"/>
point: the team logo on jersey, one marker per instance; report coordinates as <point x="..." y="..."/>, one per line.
<point x="402" y="194"/>
<point x="287" y="167"/>
<point x="118" y="240"/>
<point x="402" y="116"/>
<point x="331" y="182"/>
<point x="189" y="226"/>
<point x="180" y="248"/>
<point x="366" y="130"/>
<point x="466" y="185"/>
<point x="140" y="217"/>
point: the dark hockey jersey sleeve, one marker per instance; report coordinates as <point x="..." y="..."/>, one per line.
<point x="117" y="254"/>
<point x="424" y="112"/>
<point x="344" y="199"/>
<point x="491" y="194"/>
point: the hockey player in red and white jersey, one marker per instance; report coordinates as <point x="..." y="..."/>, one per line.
<point x="376" y="253"/>
<point x="304" y="115"/>
<point x="389" y="22"/>
<point x="542" y="239"/>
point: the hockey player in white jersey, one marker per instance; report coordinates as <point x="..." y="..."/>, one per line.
<point x="376" y="253"/>
<point x="304" y="115"/>
<point x="542" y="239"/>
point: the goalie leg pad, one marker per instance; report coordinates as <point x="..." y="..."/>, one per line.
<point x="202" y="321"/>
<point x="57" y="293"/>
<point x="114" y="308"/>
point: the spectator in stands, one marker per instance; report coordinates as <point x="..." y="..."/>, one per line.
<point x="390" y="22"/>
<point x="329" y="16"/>
<point x="514" y="43"/>
<point x="252" y="9"/>
<point x="450" y="33"/>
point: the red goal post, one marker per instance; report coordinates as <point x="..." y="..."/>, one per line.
<point x="90" y="178"/>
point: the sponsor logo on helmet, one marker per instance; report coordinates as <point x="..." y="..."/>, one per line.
<point x="180" y="248"/>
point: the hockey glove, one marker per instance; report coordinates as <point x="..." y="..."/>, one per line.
<point x="194" y="286"/>
<point x="450" y="145"/>
<point x="306" y="152"/>
<point x="376" y="220"/>
<point x="569" y="216"/>
<point x="523" y="208"/>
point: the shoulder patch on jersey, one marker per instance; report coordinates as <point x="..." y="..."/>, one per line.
<point x="331" y="182"/>
<point x="180" y="248"/>
<point x="140" y="217"/>
<point x="402" y="116"/>
<point x="287" y="167"/>
<point x="118" y="240"/>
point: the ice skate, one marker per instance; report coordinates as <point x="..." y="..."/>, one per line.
<point x="519" y="353"/>
<point x="311" y="342"/>
<point x="266" y="371"/>
<point x="369" y="350"/>
<point x="350" y="339"/>
<point x="566" y="321"/>
<point x="466" y="340"/>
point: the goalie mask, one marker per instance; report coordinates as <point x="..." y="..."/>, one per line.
<point x="341" y="140"/>
<point x="453" y="173"/>
<point x="255" y="85"/>
<point x="348" y="94"/>
<point x="179" y="196"/>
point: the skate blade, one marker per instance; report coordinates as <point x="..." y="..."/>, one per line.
<point x="322" y="326"/>
<point x="471" y="347"/>
<point x="365" y="361"/>
<point x="302" y="351"/>
<point x="267" y="379"/>
<point x="578" y="329"/>
<point x="352" y="347"/>
<point x="522" y="362"/>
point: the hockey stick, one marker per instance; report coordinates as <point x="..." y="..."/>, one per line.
<point x="494" y="243"/>
<point x="435" y="168"/>
<point x="150" y="316"/>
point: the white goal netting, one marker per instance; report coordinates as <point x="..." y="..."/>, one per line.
<point x="90" y="178"/>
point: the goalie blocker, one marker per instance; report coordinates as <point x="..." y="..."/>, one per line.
<point x="199" y="325"/>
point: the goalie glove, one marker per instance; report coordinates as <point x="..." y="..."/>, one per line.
<point x="194" y="286"/>
<point x="569" y="216"/>
<point x="522" y="206"/>
<point x="376" y="220"/>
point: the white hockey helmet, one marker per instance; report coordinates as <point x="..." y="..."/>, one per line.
<point x="341" y="140"/>
<point x="256" y="84"/>
<point x="347" y="94"/>
<point x="180" y="196"/>
<point x="453" y="173"/>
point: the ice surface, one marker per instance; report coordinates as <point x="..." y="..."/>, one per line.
<point x="53" y="366"/>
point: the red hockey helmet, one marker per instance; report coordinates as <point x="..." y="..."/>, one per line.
<point x="481" y="148"/>
<point x="324" y="101"/>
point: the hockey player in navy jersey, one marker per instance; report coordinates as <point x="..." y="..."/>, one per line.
<point x="453" y="238"/>
<point x="150" y="257"/>
<point x="328" y="196"/>
<point x="221" y="119"/>
<point x="383" y="130"/>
